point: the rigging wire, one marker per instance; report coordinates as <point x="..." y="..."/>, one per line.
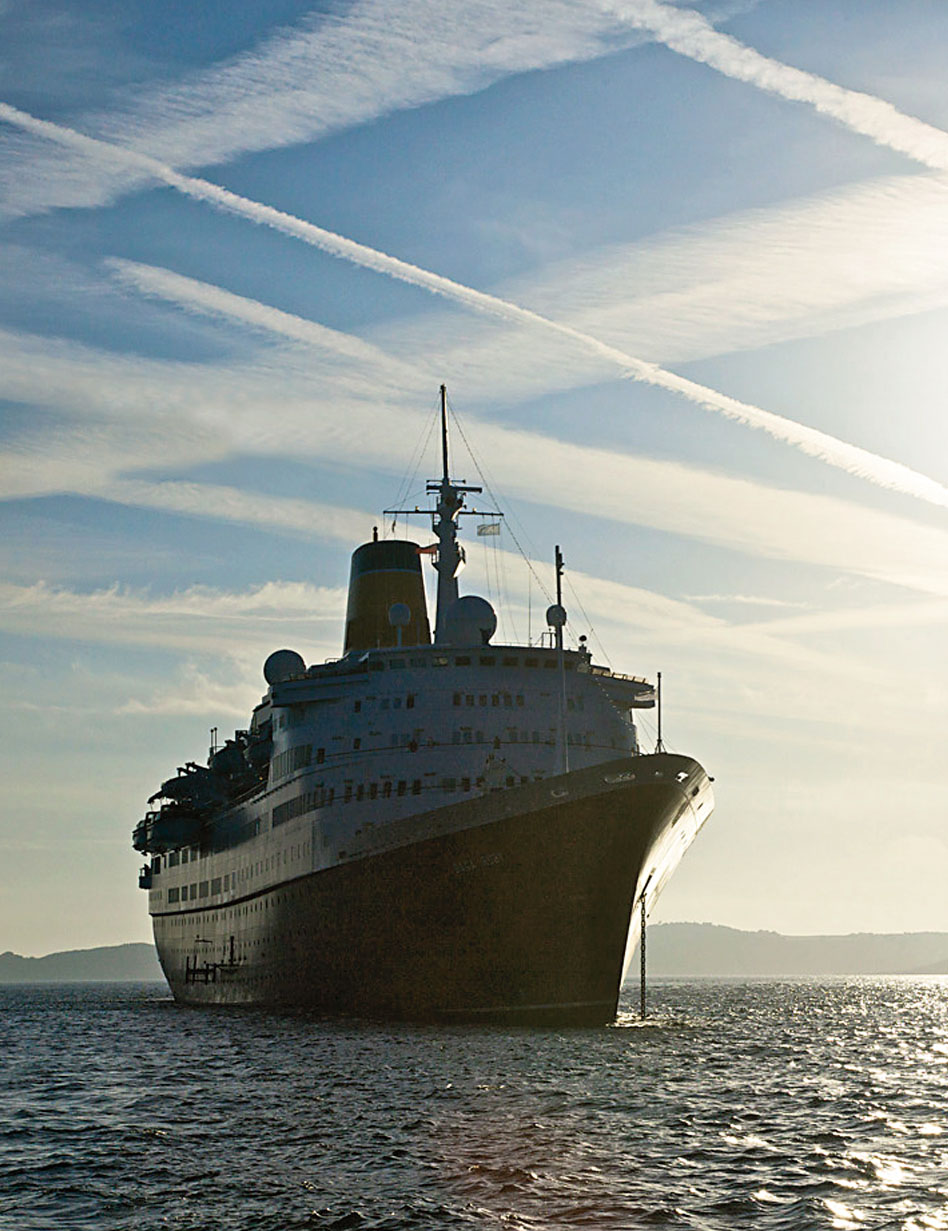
<point x="481" y="471"/>
<point x="589" y="624"/>
<point x="417" y="454"/>
<point x="482" y="475"/>
<point x="641" y="723"/>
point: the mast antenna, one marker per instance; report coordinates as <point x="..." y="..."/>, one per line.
<point x="444" y="432"/>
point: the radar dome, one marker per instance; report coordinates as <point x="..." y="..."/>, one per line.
<point x="471" y="620"/>
<point x="283" y="665"/>
<point x="556" y="615"/>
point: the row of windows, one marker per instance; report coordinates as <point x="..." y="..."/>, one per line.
<point x="464" y="784"/>
<point x="199" y="889"/>
<point x="301" y="756"/>
<point x="513" y="735"/>
<point x="466" y="660"/>
<point x="496" y="698"/>
<point x="298" y="757"/>
<point x="231" y="880"/>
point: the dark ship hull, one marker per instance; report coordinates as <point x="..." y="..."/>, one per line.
<point x="513" y="907"/>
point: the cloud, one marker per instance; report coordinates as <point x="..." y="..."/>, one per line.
<point x="850" y="458"/>
<point x="211" y="412"/>
<point x="690" y="34"/>
<point x="750" y="600"/>
<point x="210" y="300"/>
<point x="196" y="619"/>
<point x="329" y="72"/>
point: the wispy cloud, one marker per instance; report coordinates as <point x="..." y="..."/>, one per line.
<point x="197" y="619"/>
<point x="746" y="600"/>
<point x="210" y="300"/>
<point x="212" y="413"/>
<point x="850" y="458"/>
<point x="690" y="34"/>
<point x="329" y="72"/>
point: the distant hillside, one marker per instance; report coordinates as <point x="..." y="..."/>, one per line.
<point x="114" y="964"/>
<point x="709" y="949"/>
<point x="674" y="949"/>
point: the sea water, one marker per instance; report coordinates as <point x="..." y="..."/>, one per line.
<point x="766" y="1104"/>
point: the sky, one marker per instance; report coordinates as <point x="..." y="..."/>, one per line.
<point x="684" y="271"/>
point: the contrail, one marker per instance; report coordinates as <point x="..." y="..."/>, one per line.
<point x="688" y="33"/>
<point x="855" y="461"/>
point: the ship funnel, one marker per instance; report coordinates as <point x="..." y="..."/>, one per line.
<point x="385" y="576"/>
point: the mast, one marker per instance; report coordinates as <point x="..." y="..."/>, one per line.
<point x="449" y="506"/>
<point x="444" y="433"/>
<point x="556" y="618"/>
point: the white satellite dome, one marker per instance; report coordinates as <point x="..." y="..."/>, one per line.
<point x="471" y="620"/>
<point x="283" y="665"/>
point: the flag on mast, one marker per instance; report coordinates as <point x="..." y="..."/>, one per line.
<point x="488" y="527"/>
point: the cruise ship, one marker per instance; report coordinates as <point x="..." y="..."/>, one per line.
<point x="430" y="827"/>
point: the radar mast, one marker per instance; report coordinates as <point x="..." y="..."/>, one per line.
<point x="449" y="506"/>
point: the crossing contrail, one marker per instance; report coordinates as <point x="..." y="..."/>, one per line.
<point x="692" y="35"/>
<point x="829" y="449"/>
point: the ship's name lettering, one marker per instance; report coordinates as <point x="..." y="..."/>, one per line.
<point x="465" y="866"/>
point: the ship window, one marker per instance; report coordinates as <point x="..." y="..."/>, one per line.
<point x="416" y="787"/>
<point x="520" y="698"/>
<point x="401" y="786"/>
<point x="320" y="755"/>
<point x="156" y="862"/>
<point x="482" y="699"/>
<point x="549" y="664"/>
<point x="531" y="662"/>
<point x="465" y="784"/>
<point x="487" y="660"/>
<point x="439" y="660"/>
<point x="495" y="699"/>
<point x="215" y="885"/>
<point x="387" y="790"/>
<point x="356" y="706"/>
<point x="173" y="859"/>
<point x="410" y="701"/>
<point x="173" y="896"/>
<point x="332" y="794"/>
<point x="194" y="891"/>
<point x="356" y="744"/>
<point x="511" y="662"/>
<point x="468" y="734"/>
<point x="373" y="790"/>
<point x="457" y="698"/>
<point x="360" y="791"/>
<point x="510" y="780"/>
<point x="469" y="699"/>
<point x="462" y="660"/>
<point x="508" y="700"/>
<point x="348" y="794"/>
<point x="448" y="784"/>
<point x="226" y="882"/>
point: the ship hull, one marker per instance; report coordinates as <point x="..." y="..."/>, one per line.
<point x="519" y="911"/>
